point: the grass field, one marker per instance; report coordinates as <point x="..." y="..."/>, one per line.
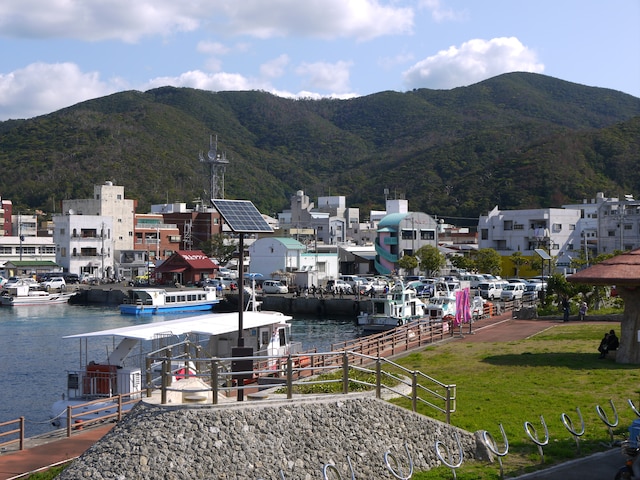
<point x="553" y="373"/>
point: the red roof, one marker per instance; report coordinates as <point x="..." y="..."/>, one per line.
<point x="192" y="259"/>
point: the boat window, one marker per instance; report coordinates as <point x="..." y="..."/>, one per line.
<point x="264" y="338"/>
<point x="378" y="307"/>
<point x="283" y="337"/>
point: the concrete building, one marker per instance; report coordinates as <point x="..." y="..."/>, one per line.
<point x="618" y="225"/>
<point x="6" y="213"/>
<point x="400" y="234"/>
<point x="159" y="239"/>
<point x="14" y="249"/>
<point x="109" y="202"/>
<point x="195" y="225"/>
<point x="85" y="245"/>
<point x="289" y="257"/>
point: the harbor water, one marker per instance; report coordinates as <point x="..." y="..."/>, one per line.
<point x="35" y="357"/>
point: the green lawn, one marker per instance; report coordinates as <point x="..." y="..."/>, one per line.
<point x="511" y="383"/>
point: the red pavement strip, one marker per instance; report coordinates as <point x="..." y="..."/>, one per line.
<point x="22" y="463"/>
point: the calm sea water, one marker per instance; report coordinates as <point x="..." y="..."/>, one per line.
<point x="34" y="357"/>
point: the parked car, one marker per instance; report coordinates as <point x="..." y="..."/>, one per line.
<point x="54" y="283"/>
<point x="512" y="291"/>
<point x="490" y="290"/>
<point x="274" y="286"/>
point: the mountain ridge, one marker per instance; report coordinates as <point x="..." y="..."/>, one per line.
<point x="518" y="140"/>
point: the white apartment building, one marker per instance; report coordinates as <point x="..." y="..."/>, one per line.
<point x="85" y="244"/>
<point x="552" y="229"/>
<point x="108" y="201"/>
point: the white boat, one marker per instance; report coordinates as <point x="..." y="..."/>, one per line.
<point x="22" y="294"/>
<point x="399" y="307"/>
<point x="120" y="373"/>
<point x="149" y="301"/>
<point x="443" y="302"/>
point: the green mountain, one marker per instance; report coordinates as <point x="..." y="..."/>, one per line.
<point x="518" y="140"/>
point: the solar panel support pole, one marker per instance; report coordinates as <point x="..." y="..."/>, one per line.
<point x="240" y="290"/>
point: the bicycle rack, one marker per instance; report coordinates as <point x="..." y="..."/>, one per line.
<point x="493" y="446"/>
<point x="605" y="419"/>
<point x="569" y="426"/>
<point x="633" y="407"/>
<point x="533" y="435"/>
<point x="389" y="456"/>
<point x="331" y="466"/>
<point x="449" y="464"/>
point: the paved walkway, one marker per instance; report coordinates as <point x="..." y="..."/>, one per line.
<point x="55" y="448"/>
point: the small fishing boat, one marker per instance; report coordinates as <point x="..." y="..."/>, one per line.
<point x="22" y="294"/>
<point x="149" y="301"/>
<point x="443" y="302"/>
<point x="398" y="307"/>
<point x="266" y="334"/>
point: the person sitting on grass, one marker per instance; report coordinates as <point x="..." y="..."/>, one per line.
<point x="609" y="343"/>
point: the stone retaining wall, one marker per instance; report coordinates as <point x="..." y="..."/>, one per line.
<point x="257" y="440"/>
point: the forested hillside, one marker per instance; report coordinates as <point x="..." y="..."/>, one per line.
<point x="517" y="141"/>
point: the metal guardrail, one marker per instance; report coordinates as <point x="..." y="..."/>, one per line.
<point x="303" y="370"/>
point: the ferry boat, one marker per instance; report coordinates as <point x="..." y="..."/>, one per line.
<point x="149" y="301"/>
<point x="399" y="307"/>
<point x="267" y="334"/>
<point x="23" y="295"/>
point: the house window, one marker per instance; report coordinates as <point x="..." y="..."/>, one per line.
<point x="508" y="224"/>
<point x="484" y="234"/>
<point x="628" y="226"/>
<point x="572" y="226"/>
<point x="556" y="227"/>
<point x="427" y="235"/>
<point x="611" y="233"/>
<point x="408" y="235"/>
<point x="518" y="226"/>
<point x="6" y="250"/>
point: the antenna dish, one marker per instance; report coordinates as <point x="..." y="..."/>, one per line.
<point x="71" y="211"/>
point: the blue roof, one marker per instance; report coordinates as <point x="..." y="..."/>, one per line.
<point x="392" y="220"/>
<point x="290" y="243"/>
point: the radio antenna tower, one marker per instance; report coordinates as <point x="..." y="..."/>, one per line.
<point x="218" y="164"/>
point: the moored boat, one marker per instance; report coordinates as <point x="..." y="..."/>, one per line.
<point x="398" y="307"/>
<point x="267" y="334"/>
<point x="149" y="301"/>
<point x="442" y="305"/>
<point x="23" y="295"/>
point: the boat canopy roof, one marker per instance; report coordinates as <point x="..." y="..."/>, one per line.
<point x="208" y="324"/>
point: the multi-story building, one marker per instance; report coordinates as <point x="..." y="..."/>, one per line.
<point x="195" y="225"/>
<point x="402" y="233"/>
<point x="85" y="245"/>
<point x="108" y="201"/>
<point x="6" y="211"/>
<point x="154" y="236"/>
<point x="618" y="225"/>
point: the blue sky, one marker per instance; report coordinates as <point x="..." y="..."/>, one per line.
<point x="57" y="53"/>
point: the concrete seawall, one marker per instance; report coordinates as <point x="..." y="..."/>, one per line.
<point x="328" y="306"/>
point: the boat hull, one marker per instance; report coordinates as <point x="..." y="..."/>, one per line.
<point x="127" y="309"/>
<point x="49" y="299"/>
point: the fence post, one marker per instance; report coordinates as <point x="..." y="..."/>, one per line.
<point x="166" y="367"/>
<point x="289" y="377"/>
<point x="147" y="376"/>
<point x="21" y="433"/>
<point x="448" y="402"/>
<point x="345" y="373"/>
<point x="119" y="407"/>
<point x="378" y="378"/>
<point x="414" y="391"/>
<point x="214" y="380"/>
<point x="69" y="421"/>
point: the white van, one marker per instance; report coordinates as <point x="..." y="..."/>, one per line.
<point x="354" y="281"/>
<point x="490" y="290"/>
<point x="473" y="279"/>
<point x="512" y="291"/>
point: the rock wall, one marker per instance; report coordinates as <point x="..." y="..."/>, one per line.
<point x="260" y="439"/>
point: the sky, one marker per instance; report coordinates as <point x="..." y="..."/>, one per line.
<point x="57" y="53"/>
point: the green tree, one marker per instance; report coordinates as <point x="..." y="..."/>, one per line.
<point x="462" y="262"/>
<point x="217" y="247"/>
<point x="431" y="260"/>
<point x="408" y="262"/>
<point x="488" y="261"/>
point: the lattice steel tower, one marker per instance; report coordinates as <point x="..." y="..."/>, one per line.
<point x="218" y="163"/>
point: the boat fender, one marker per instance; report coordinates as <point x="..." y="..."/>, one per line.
<point x="399" y="323"/>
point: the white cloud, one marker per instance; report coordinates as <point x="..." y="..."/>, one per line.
<point x="328" y="19"/>
<point x="473" y="61"/>
<point x="332" y="77"/>
<point x="42" y="88"/>
<point x="99" y="20"/>
<point x="130" y="21"/>
<point x="440" y="13"/>
<point x="274" y="68"/>
<point x="204" y="81"/>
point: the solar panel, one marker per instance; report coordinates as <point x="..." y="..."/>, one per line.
<point x="242" y="216"/>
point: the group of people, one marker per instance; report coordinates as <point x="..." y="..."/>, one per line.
<point x="608" y="343"/>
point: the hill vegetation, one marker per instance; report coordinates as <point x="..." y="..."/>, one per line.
<point x="518" y="140"/>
